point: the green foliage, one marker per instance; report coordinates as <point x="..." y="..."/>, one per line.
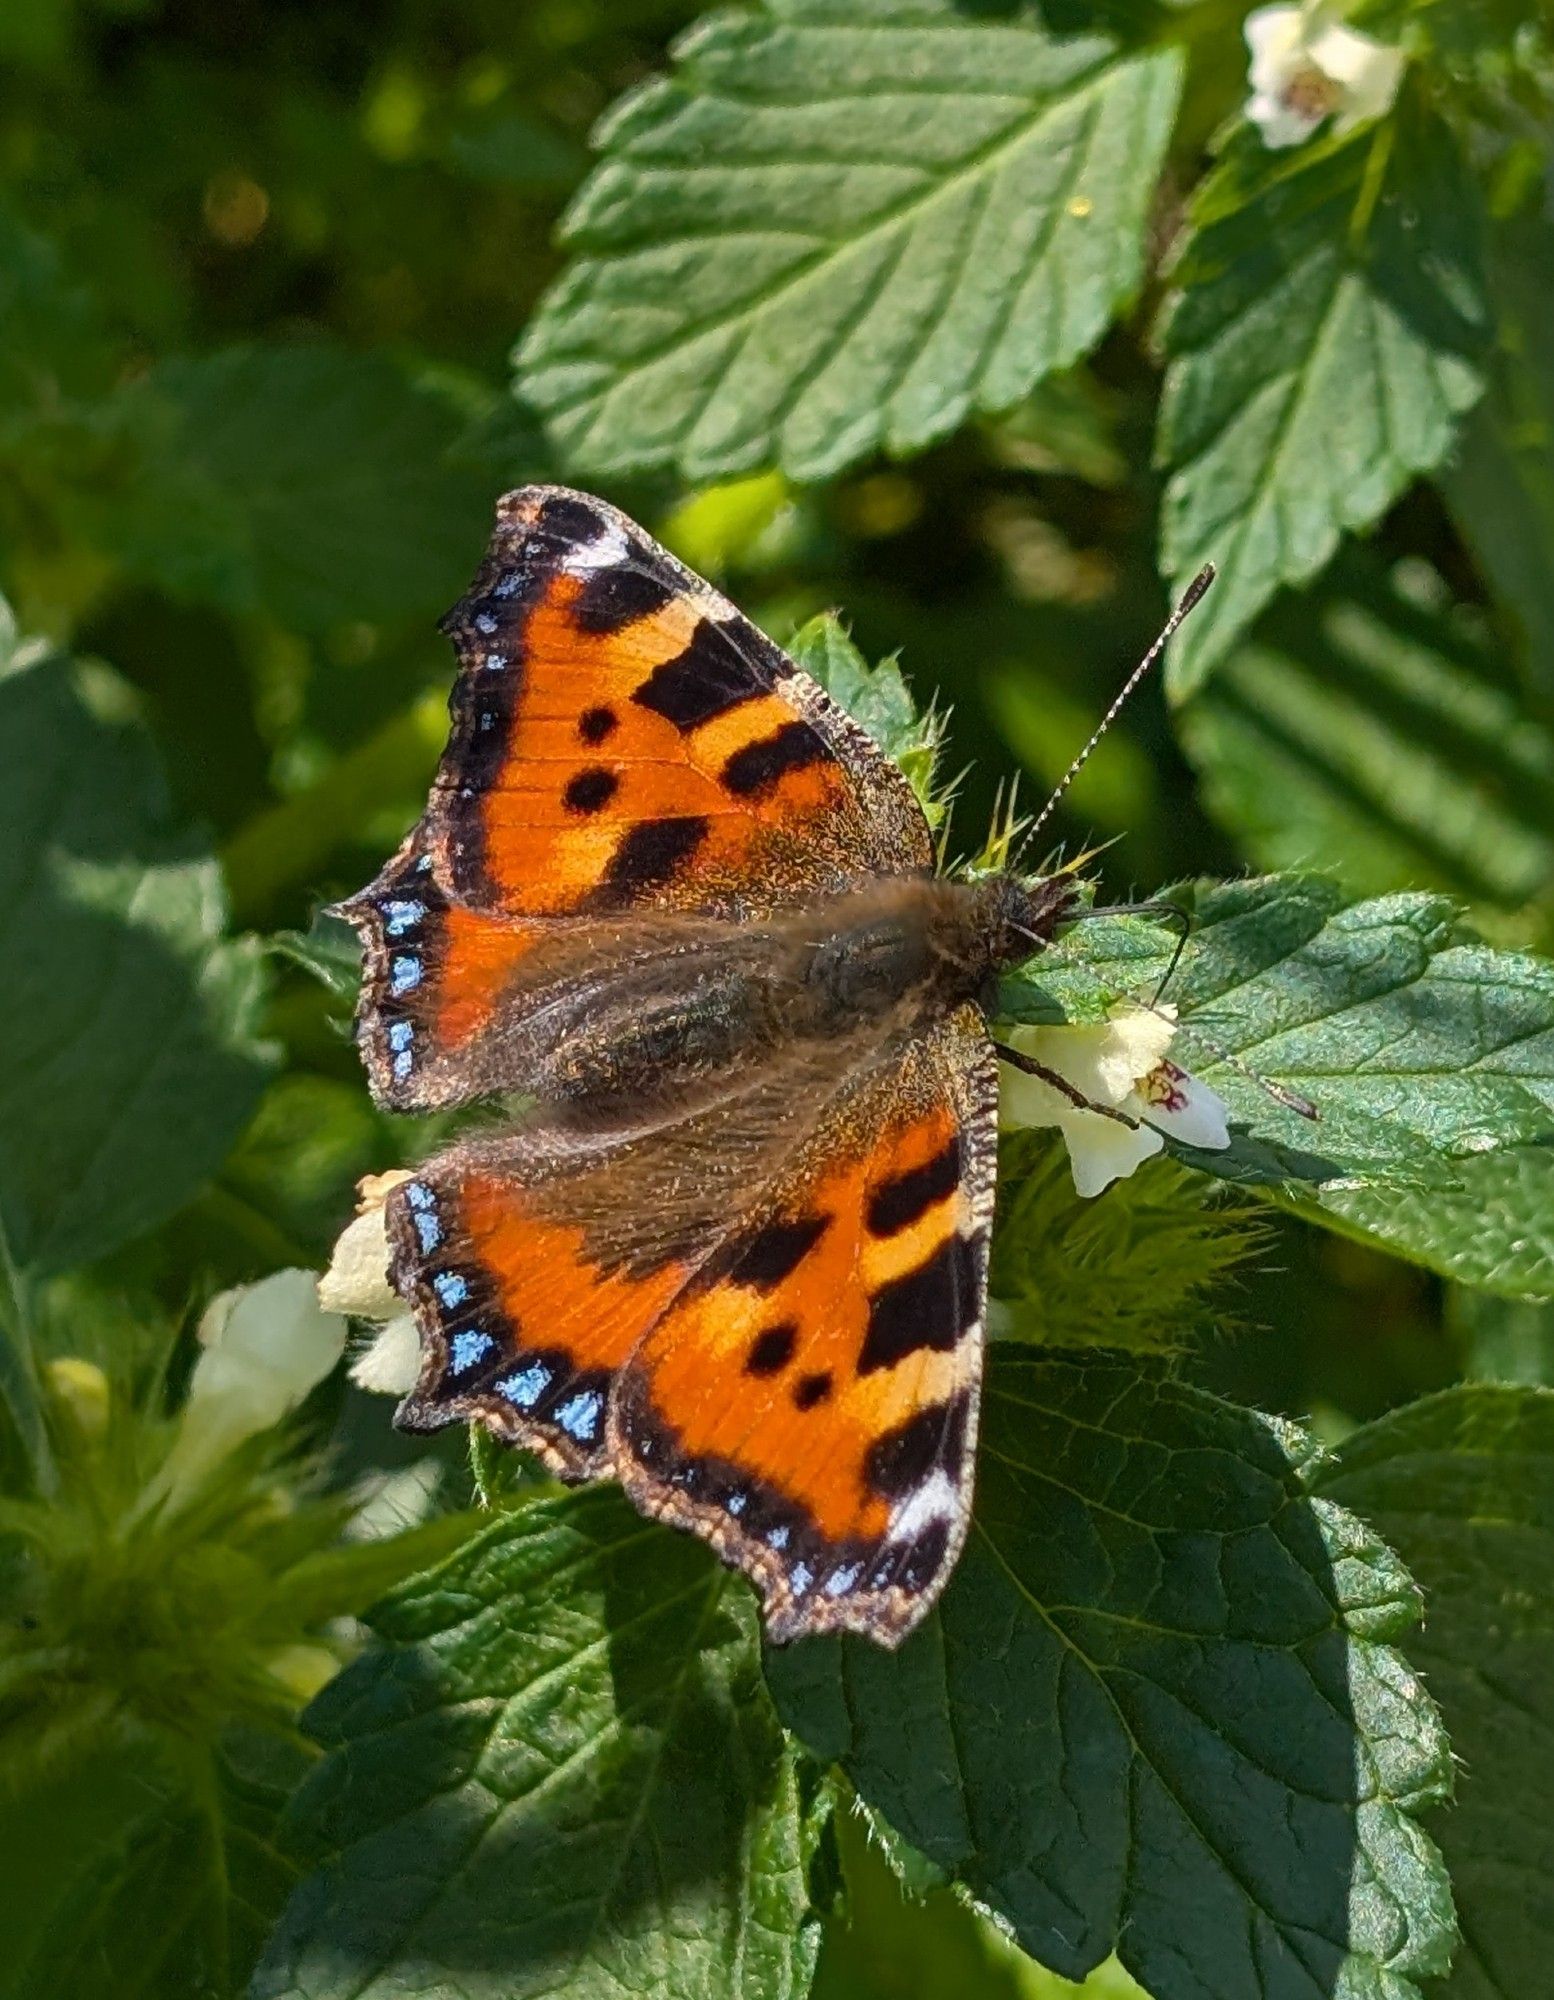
<point x="877" y="697"/>
<point x="1372" y="733"/>
<point x="561" y="1770"/>
<point x="1190" y="1737"/>
<point x="305" y="482"/>
<point x="130" y="1025"/>
<point x="840" y="228"/>
<point x="1462" y="1485"/>
<point x="889" y="1944"/>
<point x="1429" y="1058"/>
<point x="154" y="1643"/>
<point x="1138" y="1270"/>
<point x="994" y="322"/>
<point x="1321" y="345"/>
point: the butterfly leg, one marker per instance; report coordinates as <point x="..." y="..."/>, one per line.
<point x="1021" y="1061"/>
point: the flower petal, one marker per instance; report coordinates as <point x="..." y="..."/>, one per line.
<point x="1100" y="1150"/>
<point x="1186" y="1108"/>
<point x="1281" y="124"/>
<point x="391" y="1363"/>
<point x="1274" y="37"/>
<point x="357" y="1281"/>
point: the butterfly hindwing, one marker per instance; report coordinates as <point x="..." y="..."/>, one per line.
<point x="622" y="739"/>
<point x="808" y="1401"/>
<point x="520" y="1330"/>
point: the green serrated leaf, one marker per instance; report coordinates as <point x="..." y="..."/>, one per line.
<point x="878" y="699"/>
<point x="1372" y="734"/>
<point x="1325" y="333"/>
<point x="559" y="1773"/>
<point x="832" y="231"/>
<point x="306" y="482"/>
<point x="1462" y="1484"/>
<point x="130" y="1026"/>
<point x="1158" y="1705"/>
<point x="1430" y="1061"/>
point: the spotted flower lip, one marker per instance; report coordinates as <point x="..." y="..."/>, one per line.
<point x="1120" y="1063"/>
<point x="1306" y="66"/>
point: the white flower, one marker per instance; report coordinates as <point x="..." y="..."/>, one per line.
<point x="1306" y="67"/>
<point x="1120" y="1063"/>
<point x="265" y="1346"/>
<point x="357" y="1282"/>
<point x="391" y="1363"/>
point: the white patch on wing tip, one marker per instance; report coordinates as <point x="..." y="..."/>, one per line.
<point x="937" y="1499"/>
<point x="608" y="550"/>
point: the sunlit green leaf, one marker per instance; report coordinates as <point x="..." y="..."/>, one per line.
<point x="1158" y="1707"/>
<point x="835" y="230"/>
<point x="1324" y="335"/>
<point x="1429" y="1059"/>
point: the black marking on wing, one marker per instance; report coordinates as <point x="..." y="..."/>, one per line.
<point x="933" y="1439"/>
<point x="759" y="767"/>
<point x="772" y="1349"/>
<point x="773" y="1252"/>
<point x="618" y="595"/>
<point x="652" y="853"/>
<point x="897" y="1203"/>
<point x="929" y="1307"/>
<point x="590" y="791"/>
<point x="706" y="680"/>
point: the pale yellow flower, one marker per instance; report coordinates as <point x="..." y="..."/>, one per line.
<point x="1120" y="1063"/>
<point x="357" y="1282"/>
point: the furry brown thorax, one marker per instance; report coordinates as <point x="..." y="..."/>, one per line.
<point x="680" y="1011"/>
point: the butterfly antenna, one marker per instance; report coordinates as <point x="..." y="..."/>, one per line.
<point x="1190" y="597"/>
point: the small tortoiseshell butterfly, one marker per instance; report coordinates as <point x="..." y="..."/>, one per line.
<point x="734" y="1254"/>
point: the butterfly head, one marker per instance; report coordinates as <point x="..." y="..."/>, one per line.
<point x="1019" y="916"/>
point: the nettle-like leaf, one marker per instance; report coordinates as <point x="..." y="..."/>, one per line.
<point x="1325" y="334"/>
<point x="1463" y="1485"/>
<point x="306" y="482"/>
<point x="130" y="1026"/>
<point x="1158" y="1706"/>
<point x="1370" y="732"/>
<point x="836" y="229"/>
<point x="1429" y="1058"/>
<point x="559" y="1774"/>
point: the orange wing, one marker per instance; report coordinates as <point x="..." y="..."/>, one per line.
<point x="799" y="1388"/>
<point x="808" y="1401"/>
<point x="622" y="739"/>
